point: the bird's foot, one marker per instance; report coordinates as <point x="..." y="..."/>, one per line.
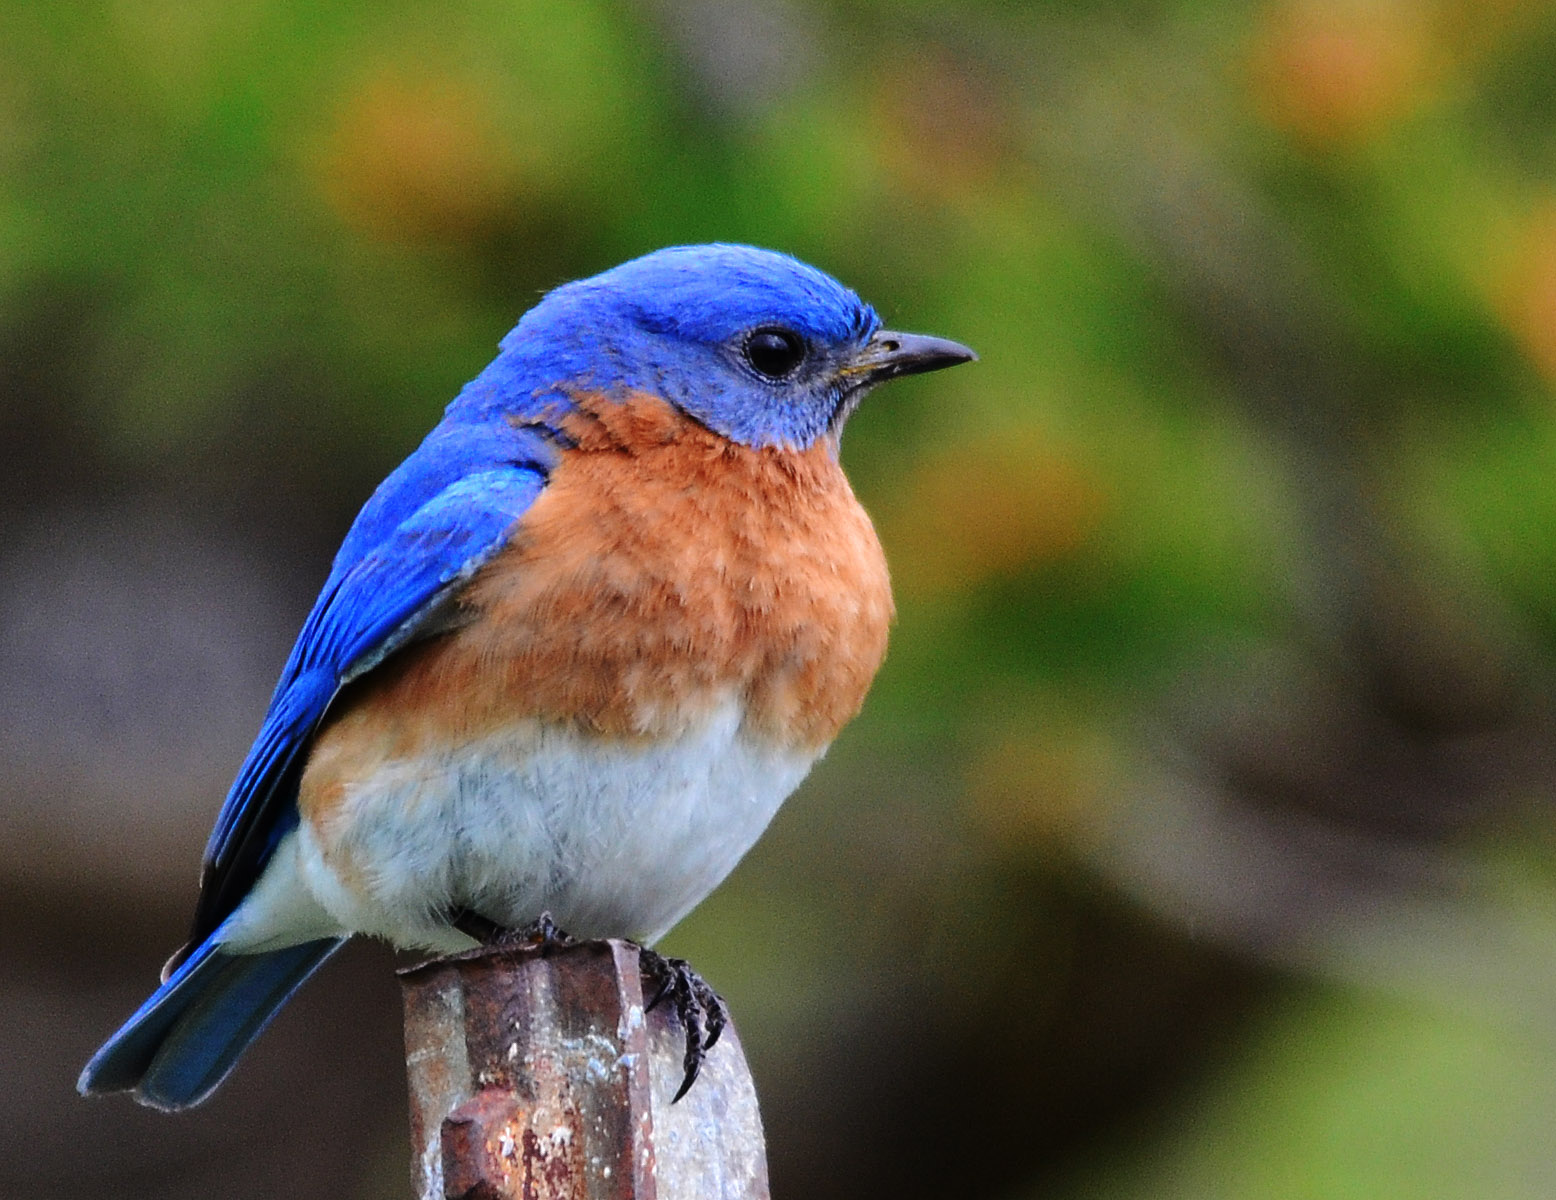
<point x="700" y="1009"/>
<point x="541" y="934"/>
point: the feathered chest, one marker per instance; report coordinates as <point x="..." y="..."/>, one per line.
<point x="663" y="571"/>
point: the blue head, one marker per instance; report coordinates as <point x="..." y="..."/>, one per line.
<point x="753" y="344"/>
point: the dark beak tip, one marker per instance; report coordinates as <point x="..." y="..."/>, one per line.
<point x="916" y="353"/>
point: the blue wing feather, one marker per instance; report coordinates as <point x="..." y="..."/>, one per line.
<point x="428" y="528"/>
<point x="185" y="1039"/>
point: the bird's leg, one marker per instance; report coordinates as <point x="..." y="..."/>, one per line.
<point x="541" y="934"/>
<point x="700" y="1009"/>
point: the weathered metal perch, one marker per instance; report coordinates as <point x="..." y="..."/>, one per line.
<point x="538" y="1074"/>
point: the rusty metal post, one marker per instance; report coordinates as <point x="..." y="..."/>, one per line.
<point x="539" y="1075"/>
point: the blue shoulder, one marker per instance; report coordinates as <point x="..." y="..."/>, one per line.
<point x="430" y="524"/>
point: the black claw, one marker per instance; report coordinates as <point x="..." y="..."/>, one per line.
<point x="716" y="1023"/>
<point x="693" y="1066"/>
<point x="545" y="932"/>
<point x="700" y="1009"/>
<point x="715" y="1015"/>
<point x="541" y="934"/>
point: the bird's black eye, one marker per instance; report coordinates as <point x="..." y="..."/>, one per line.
<point x="774" y="352"/>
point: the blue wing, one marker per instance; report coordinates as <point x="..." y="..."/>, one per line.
<point x="428" y="528"/>
<point x="446" y="510"/>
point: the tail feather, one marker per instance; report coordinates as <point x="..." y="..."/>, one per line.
<point x="185" y="1039"/>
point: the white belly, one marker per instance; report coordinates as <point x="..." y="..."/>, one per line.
<point x="611" y="838"/>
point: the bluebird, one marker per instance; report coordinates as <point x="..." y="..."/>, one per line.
<point x="571" y="657"/>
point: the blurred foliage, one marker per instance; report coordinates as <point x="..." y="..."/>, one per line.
<point x="1266" y="302"/>
<point x="1352" y="1096"/>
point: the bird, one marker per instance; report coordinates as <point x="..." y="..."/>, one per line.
<point x="570" y="658"/>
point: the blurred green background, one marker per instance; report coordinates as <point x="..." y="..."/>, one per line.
<point x="1196" y="840"/>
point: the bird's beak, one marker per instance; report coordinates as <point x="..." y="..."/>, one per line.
<point x="888" y="355"/>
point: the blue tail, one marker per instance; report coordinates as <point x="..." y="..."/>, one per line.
<point x="183" y="1041"/>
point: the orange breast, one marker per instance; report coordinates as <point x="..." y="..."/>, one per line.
<point x="663" y="569"/>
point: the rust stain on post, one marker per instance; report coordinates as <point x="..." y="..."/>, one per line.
<point x="538" y="1075"/>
